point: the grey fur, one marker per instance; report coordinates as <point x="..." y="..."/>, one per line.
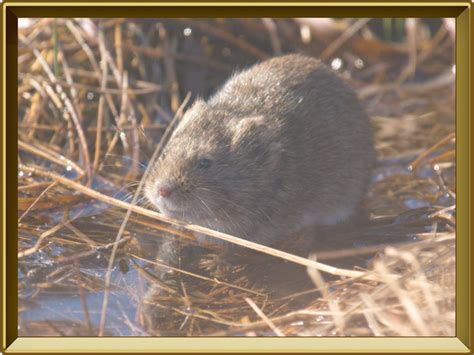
<point x="290" y="145"/>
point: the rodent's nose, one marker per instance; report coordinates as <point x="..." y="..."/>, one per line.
<point x="165" y="191"/>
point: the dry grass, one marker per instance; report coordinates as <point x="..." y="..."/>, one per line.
<point x="94" y="98"/>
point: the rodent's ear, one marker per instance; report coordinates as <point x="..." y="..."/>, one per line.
<point x="251" y="138"/>
<point x="247" y="127"/>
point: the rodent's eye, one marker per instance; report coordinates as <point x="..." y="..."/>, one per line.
<point x="204" y="163"/>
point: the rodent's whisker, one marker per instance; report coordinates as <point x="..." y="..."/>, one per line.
<point x="126" y="157"/>
<point x="130" y="185"/>
<point x="221" y="197"/>
<point x="236" y="228"/>
<point x="141" y="199"/>
<point x="123" y="198"/>
<point x="205" y="205"/>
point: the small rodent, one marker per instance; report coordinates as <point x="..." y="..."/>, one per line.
<point x="282" y="145"/>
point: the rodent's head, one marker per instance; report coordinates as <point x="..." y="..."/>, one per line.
<point x="214" y="167"/>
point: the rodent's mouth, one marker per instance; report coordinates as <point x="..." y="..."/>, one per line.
<point x="170" y="209"/>
<point x="181" y="208"/>
<point x="188" y="214"/>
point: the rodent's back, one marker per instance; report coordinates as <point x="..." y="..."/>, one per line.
<point x="319" y="121"/>
<point x="307" y="147"/>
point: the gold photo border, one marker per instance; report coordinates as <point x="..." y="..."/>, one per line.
<point x="12" y="344"/>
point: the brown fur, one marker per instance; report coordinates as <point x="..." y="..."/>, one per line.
<point x="289" y="145"/>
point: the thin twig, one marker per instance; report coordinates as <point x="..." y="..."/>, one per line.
<point x="262" y="315"/>
<point x="100" y="110"/>
<point x="170" y="68"/>
<point x="68" y="112"/>
<point x="184" y="272"/>
<point x="50" y="155"/>
<point x="273" y="33"/>
<point x="37" y="246"/>
<point x="343" y="38"/>
<point x="446" y="140"/>
<point x="36" y="201"/>
<point x="228" y="37"/>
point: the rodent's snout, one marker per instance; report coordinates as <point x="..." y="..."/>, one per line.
<point x="165" y="191"/>
<point x="164" y="195"/>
